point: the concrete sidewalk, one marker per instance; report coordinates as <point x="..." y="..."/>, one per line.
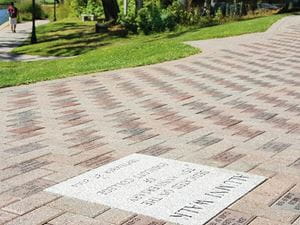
<point x="9" y="41"/>
<point x="235" y="106"/>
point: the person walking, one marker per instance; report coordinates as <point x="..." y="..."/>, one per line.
<point x="13" y="14"/>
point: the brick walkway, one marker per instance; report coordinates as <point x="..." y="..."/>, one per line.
<point x="235" y="106"/>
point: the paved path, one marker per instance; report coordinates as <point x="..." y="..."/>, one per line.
<point x="9" y="40"/>
<point x="235" y="106"/>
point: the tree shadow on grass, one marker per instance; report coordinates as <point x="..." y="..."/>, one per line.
<point x="178" y="34"/>
<point x="67" y="39"/>
<point x="73" y="50"/>
<point x="77" y="46"/>
<point x="56" y="27"/>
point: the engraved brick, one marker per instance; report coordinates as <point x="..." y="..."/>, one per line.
<point x="22" y="167"/>
<point x="25" y="148"/>
<point x="227" y="157"/>
<point x="206" y="140"/>
<point x="30" y="188"/>
<point x="290" y="201"/>
<point x="156" y="150"/>
<point x="274" y="146"/>
<point x="230" y="217"/>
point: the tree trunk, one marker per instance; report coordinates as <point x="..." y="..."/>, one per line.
<point x="138" y="5"/>
<point x="207" y="5"/>
<point x="253" y="4"/>
<point x="111" y="9"/>
<point x="165" y="3"/>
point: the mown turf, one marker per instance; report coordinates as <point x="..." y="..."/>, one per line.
<point x="102" y="52"/>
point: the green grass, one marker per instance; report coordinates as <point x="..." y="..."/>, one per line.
<point x="102" y="52"/>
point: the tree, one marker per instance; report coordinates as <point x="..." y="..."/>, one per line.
<point x="253" y="5"/>
<point x="111" y="9"/>
<point x="138" y="5"/>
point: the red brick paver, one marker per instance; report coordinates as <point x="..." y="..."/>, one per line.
<point x="234" y="106"/>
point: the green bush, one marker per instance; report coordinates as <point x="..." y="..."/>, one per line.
<point x="25" y="11"/>
<point x="65" y="10"/>
<point x="169" y="19"/>
<point x="154" y="19"/>
<point x="78" y="6"/>
<point x="129" y="21"/>
<point x="94" y="7"/>
<point x="144" y="21"/>
<point x="180" y="13"/>
<point x="183" y="16"/>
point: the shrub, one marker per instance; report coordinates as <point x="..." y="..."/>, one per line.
<point x="129" y="21"/>
<point x="179" y="12"/>
<point x="65" y="10"/>
<point x="169" y="20"/>
<point x="219" y="18"/>
<point x="93" y="7"/>
<point x="154" y="19"/>
<point x="144" y="21"/>
<point x="184" y="17"/>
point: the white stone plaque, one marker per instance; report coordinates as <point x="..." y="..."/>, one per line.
<point x="170" y="190"/>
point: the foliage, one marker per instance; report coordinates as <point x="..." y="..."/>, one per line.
<point x="180" y="13"/>
<point x="65" y="10"/>
<point x="192" y="17"/>
<point x="169" y="19"/>
<point x="219" y="17"/>
<point x="78" y="6"/>
<point x="152" y="18"/>
<point x="129" y="22"/>
<point x="144" y="21"/>
<point x="94" y="7"/>
<point x="25" y="10"/>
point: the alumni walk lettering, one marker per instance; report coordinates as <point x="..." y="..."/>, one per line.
<point x="170" y="190"/>
<point x="188" y="211"/>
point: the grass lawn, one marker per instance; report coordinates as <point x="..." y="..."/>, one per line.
<point x="100" y="52"/>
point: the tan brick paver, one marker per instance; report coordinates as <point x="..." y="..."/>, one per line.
<point x="37" y="217"/>
<point x="234" y="106"/>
